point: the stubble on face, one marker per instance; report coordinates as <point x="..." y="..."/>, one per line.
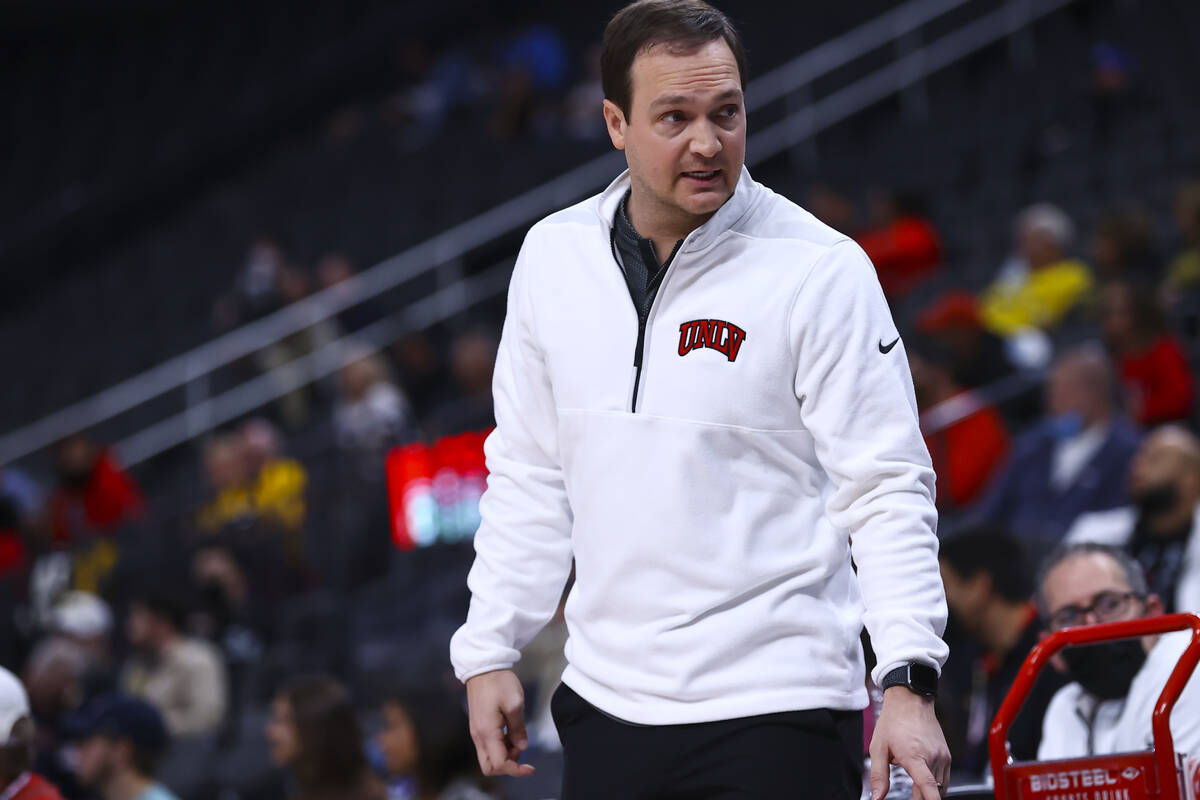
<point x="684" y="138"/>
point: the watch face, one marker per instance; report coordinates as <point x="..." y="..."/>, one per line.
<point x="923" y="679"/>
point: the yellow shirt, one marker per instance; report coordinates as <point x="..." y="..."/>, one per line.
<point x="1185" y="269"/>
<point x="278" y="493"/>
<point x="1041" y="300"/>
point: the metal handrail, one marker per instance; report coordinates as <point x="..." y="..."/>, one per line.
<point x="178" y="371"/>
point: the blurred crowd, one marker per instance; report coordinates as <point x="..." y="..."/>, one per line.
<point x="520" y="77"/>
<point x="1058" y="405"/>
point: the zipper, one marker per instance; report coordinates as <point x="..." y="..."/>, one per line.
<point x="643" y="319"/>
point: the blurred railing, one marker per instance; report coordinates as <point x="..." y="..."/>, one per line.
<point x="803" y="117"/>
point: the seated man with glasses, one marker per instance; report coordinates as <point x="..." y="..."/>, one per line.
<point x="1108" y="706"/>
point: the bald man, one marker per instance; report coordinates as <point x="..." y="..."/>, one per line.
<point x="1159" y="528"/>
<point x="1076" y="461"/>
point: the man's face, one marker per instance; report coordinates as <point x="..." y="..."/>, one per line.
<point x="685" y="134"/>
<point x="398" y="740"/>
<point x="283" y="741"/>
<point x="1038" y="247"/>
<point x="1067" y="389"/>
<point x="142" y="628"/>
<point x="1092" y="581"/>
<point x="1159" y="462"/>
<point x="966" y="597"/>
<point x="95" y="759"/>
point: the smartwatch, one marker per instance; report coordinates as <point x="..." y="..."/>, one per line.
<point x="919" y="678"/>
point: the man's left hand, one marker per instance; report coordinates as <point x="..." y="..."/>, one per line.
<point x="907" y="733"/>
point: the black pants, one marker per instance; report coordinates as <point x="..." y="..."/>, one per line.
<point x="793" y="754"/>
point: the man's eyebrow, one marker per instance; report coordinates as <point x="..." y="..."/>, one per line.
<point x="683" y="99"/>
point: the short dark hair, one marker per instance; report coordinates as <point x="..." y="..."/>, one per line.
<point x="1131" y="568"/>
<point x="439" y="719"/>
<point x="331" y="758"/>
<point x="173" y="606"/>
<point x="683" y="26"/>
<point x="994" y="552"/>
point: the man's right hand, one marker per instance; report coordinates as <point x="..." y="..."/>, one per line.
<point x="497" y="706"/>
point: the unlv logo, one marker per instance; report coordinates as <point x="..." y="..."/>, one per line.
<point x="716" y="334"/>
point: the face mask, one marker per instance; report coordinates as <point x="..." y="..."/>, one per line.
<point x="1107" y="669"/>
<point x="1156" y="500"/>
<point x="1064" y="426"/>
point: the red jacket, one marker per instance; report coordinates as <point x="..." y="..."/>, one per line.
<point x="1159" y="383"/>
<point x="904" y="253"/>
<point x="110" y="498"/>
<point x="35" y="788"/>
<point x="965" y="455"/>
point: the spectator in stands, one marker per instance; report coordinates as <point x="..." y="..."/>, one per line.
<point x="228" y="471"/>
<point x="1108" y="706"/>
<point x="20" y="502"/>
<point x="120" y="741"/>
<point x="1154" y="370"/>
<point x="333" y="270"/>
<point x="256" y="290"/>
<point x="978" y="356"/>
<point x="1159" y="528"/>
<point x="372" y="414"/>
<point x="582" y="100"/>
<point x="1184" y="270"/>
<point x="1039" y="285"/>
<point x="472" y="359"/>
<point x="268" y="282"/>
<point x="242" y="577"/>
<point x="278" y="483"/>
<point x="313" y="732"/>
<point x="17" y="779"/>
<point x="1075" y="461"/>
<point x="182" y="677"/>
<point x="901" y="242"/>
<point x="86" y="620"/>
<point x="58" y="675"/>
<point x="1122" y="246"/>
<point x="252" y="480"/>
<point x="426" y="737"/>
<point x="421" y="370"/>
<point x="94" y="495"/>
<point x="14" y="556"/>
<point x="533" y="66"/>
<point x="22" y="491"/>
<point x="965" y="435"/>
<point x="989" y="589"/>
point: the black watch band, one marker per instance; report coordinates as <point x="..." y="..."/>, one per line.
<point x="919" y="678"/>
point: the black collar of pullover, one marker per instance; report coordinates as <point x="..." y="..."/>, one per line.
<point x="636" y="255"/>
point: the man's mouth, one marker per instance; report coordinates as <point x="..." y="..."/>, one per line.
<point x="707" y="176"/>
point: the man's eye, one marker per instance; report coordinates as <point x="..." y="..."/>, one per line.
<point x="673" y="116"/>
<point x="729" y="111"/>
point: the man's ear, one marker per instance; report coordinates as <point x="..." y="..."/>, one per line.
<point x="1154" y="606"/>
<point x="614" y="119"/>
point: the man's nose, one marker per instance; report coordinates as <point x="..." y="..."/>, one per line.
<point x="705" y="141"/>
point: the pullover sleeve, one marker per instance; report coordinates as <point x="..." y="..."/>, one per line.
<point x="523" y="545"/>
<point x="857" y="401"/>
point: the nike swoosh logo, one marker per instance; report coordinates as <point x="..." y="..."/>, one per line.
<point x="887" y="348"/>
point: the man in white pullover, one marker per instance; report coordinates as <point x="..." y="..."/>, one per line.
<point x="701" y="398"/>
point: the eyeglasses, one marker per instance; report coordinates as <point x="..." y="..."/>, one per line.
<point x="1105" y="607"/>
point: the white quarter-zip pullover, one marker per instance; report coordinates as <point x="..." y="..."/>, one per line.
<point x="711" y="527"/>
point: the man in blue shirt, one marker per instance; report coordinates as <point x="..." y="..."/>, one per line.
<point x="120" y="740"/>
